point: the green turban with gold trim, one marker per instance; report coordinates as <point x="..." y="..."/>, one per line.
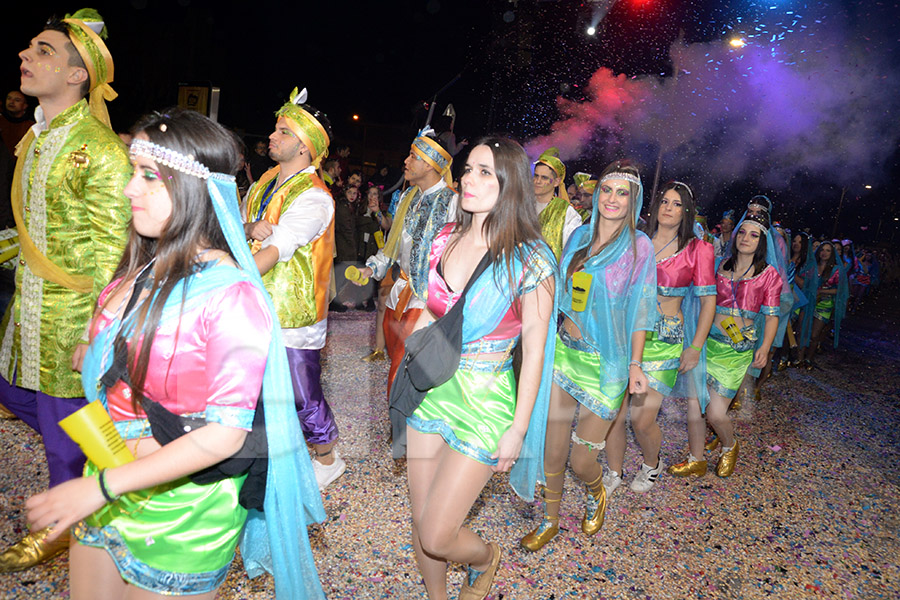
<point x="87" y="32"/>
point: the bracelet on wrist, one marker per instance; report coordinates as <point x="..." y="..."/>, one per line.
<point x="693" y="347"/>
<point x="634" y="363"/>
<point x="101" y="481"/>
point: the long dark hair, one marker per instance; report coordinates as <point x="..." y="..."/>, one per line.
<point x="832" y="261"/>
<point x="581" y="256"/>
<point x="513" y="220"/>
<point x="804" y="247"/>
<point x="192" y="224"/>
<point x="759" y="256"/>
<point x="689" y="211"/>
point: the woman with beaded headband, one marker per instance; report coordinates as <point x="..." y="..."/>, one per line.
<point x="481" y="422"/>
<point x="606" y="303"/>
<point x="748" y="296"/>
<point x="686" y="290"/>
<point x="186" y="338"/>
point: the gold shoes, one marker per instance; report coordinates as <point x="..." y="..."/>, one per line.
<point x="688" y="467"/>
<point x="544" y="532"/>
<point x="728" y="459"/>
<point x="32" y="550"/>
<point x="6" y="414"/>
<point x="712" y="443"/>
<point x="595" y="509"/>
<point x="479" y="589"/>
<point x="375" y="355"/>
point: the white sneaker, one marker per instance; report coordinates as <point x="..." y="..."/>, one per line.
<point x="611" y="481"/>
<point x="326" y="474"/>
<point x="646" y="477"/>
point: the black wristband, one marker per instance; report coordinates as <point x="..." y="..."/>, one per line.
<point x="101" y="481"/>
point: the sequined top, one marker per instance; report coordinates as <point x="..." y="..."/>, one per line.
<point x="694" y="264"/>
<point x="749" y="297"/>
<point x="210" y="364"/>
<point x="73" y="175"/>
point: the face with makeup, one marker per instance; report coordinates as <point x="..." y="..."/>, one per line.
<point x="45" y="68"/>
<point x="545" y="182"/>
<point x="748" y="239"/>
<point x="614" y="199"/>
<point x="284" y="145"/>
<point x="796" y="244"/>
<point x="151" y="205"/>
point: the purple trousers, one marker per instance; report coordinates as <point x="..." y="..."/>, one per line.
<point x="316" y="418"/>
<point x="42" y="413"/>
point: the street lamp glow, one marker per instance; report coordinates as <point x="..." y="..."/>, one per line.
<point x="356" y="117"/>
<point x="591" y="30"/>
<point x="737" y="42"/>
<point x="868" y="187"/>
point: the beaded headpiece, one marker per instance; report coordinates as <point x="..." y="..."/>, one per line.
<point x="184" y="163"/>
<point x="728" y="214"/>
<point x="306" y="126"/>
<point x="758" y="220"/>
<point x="762" y="202"/>
<point x="87" y="32"/>
<point x="685" y="186"/>
<point x="621" y="175"/>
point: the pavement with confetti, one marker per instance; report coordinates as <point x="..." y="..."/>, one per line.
<point x="810" y="512"/>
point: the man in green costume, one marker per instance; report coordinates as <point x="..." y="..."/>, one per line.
<point x="558" y="218"/>
<point x="72" y="217"/>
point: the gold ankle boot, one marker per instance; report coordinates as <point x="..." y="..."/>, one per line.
<point x="549" y="526"/>
<point x="595" y="509"/>
<point x="712" y="444"/>
<point x="688" y="467"/>
<point x="31" y="550"/>
<point x="728" y="459"/>
<point x="6" y="414"/>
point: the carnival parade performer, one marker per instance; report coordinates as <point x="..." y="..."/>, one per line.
<point x="71" y="219"/>
<point x="422" y="212"/>
<point x="186" y="339"/>
<point x="748" y="291"/>
<point x="480" y="422"/>
<point x="558" y="218"/>
<point x="828" y="291"/>
<point x="686" y="299"/>
<point x="607" y="302"/>
<point x="289" y="216"/>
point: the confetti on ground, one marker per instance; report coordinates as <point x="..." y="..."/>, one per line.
<point x="816" y="519"/>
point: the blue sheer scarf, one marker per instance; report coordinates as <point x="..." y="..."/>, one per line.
<point x="488" y="300"/>
<point x="622" y="297"/>
<point x="276" y="540"/>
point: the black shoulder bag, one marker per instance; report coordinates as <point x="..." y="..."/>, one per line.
<point x="431" y="359"/>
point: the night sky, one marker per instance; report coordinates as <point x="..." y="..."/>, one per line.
<point x="808" y="108"/>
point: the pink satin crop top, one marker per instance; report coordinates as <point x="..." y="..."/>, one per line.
<point x="694" y="264"/>
<point x="761" y="293"/>
<point x="211" y="363"/>
<point x="441" y="298"/>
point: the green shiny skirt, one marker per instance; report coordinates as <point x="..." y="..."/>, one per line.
<point x="725" y="366"/>
<point x="824" y="308"/>
<point x="579" y="370"/>
<point x="175" y="538"/>
<point x="472" y="410"/>
<point x="660" y="363"/>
